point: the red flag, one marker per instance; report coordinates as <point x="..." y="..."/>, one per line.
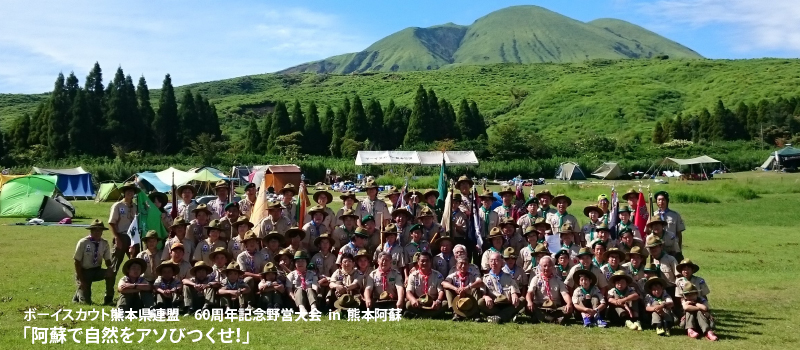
<point x="641" y="215"/>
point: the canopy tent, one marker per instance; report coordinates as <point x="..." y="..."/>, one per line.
<point x="570" y="171"/>
<point x="608" y="171"/>
<point x="788" y="157"/>
<point x="690" y="161"/>
<point x="108" y="192"/>
<point x="162" y="180"/>
<point x="149" y="181"/>
<point x="74" y="182"/>
<point x="416" y="158"/>
<point x="276" y="176"/>
<point x="700" y="161"/>
<point x="34" y="196"/>
<point x="6" y="178"/>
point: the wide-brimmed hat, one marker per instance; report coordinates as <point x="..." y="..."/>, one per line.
<point x="269" y="267"/>
<point x="200" y="265"/>
<point x="631" y="192"/>
<point x="649" y="266"/>
<point x="507" y="190"/>
<point x="409" y="194"/>
<point x="690" y="288"/>
<point x="233" y="266"/>
<point x="585" y="251"/>
<point x="592" y="208"/>
<point x="567" y="228"/>
<point x="242" y="220"/>
<point x="620" y="275"/>
<point x="583" y="272"/>
<point x="426" y="302"/>
<point x="362" y="253"/>
<point x="132" y="261"/>
<point x="564" y="197"/>
<point x="385" y="296"/>
<point x="624" y="208"/>
<point x="602" y="227"/>
<point x="560" y="253"/>
<point x="508" y="221"/>
<point x="218" y="251"/>
<point x="465" y="306"/>
<point x="444" y="236"/>
<point x="370" y="185"/>
<point x="635" y="250"/>
<point x="179" y="221"/>
<point x="653" y="241"/>
<point x="301" y="254"/>
<point x="168" y="264"/>
<point x="177" y="245"/>
<point x="362" y="232"/>
<point x="348" y="213"/>
<point x="180" y="189"/>
<point x="274" y="205"/>
<point x="129" y="186"/>
<point x="250" y="236"/>
<point x="162" y="197"/>
<point x="327" y="195"/>
<point x="509" y="253"/>
<point x="654" y="280"/>
<point x="318" y="209"/>
<point x="345" y="302"/>
<point x="214" y="225"/>
<point x="544" y="193"/>
<point x="431" y="192"/>
<point x="97" y="225"/>
<point x="457" y="197"/>
<point x="426" y="212"/>
<point x="221" y="184"/>
<point x="152" y="234"/>
<point x="390" y="229"/>
<point x="529" y="231"/>
<point x="688" y="262"/>
<point x="402" y="211"/>
<point x="393" y="191"/>
<point x="540" y="249"/>
<point x="324" y="236"/>
<point x="289" y="188"/>
<point x="345" y="195"/>
<point x="201" y="207"/>
<point x="274" y="235"/>
<point x="495" y="232"/>
<point x="295" y="232"/>
<point x="655" y="219"/>
<point x="249" y="186"/>
<point x="487" y="195"/>
<point x="620" y="254"/>
<point x="464" y="178"/>
<point x="282" y="253"/>
<point x="502" y="299"/>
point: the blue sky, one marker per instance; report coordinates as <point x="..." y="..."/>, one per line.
<point x="204" y="40"/>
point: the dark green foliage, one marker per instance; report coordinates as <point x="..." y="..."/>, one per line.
<point x="120" y="108"/>
<point x="448" y="128"/>
<point x="351" y="147"/>
<point x="94" y="99"/>
<point x="478" y="123"/>
<point x="375" y="124"/>
<point x="20" y="132"/>
<point x="58" y="120"/>
<point x="357" y="124"/>
<point x="463" y="120"/>
<point x="265" y="133"/>
<point x="509" y="142"/>
<point x="72" y="87"/>
<point x="658" y="134"/>
<point x="339" y="128"/>
<point x="416" y="132"/>
<point x="187" y="114"/>
<point x="678" y="128"/>
<point x="80" y="135"/>
<point x="281" y="126"/>
<point x="312" y="133"/>
<point x="253" y="137"/>
<point x="38" y="132"/>
<point x="166" y="125"/>
<point x="326" y="125"/>
<point x="146" y="114"/>
<point x="297" y="119"/>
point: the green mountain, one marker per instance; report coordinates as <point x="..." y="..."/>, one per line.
<point x="519" y="34"/>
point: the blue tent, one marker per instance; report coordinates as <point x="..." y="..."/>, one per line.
<point x="152" y="179"/>
<point x="73" y="183"/>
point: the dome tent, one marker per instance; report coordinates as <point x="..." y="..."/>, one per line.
<point x="608" y="171"/>
<point x="34" y="196"/>
<point x="570" y="171"/>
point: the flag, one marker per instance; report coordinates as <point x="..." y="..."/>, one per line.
<point x="613" y="219"/>
<point x="401" y="201"/>
<point x="477" y="223"/>
<point x="133" y="231"/>
<point x="149" y="217"/>
<point x="173" y="213"/>
<point x="447" y="213"/>
<point x="257" y="211"/>
<point x="641" y="215"/>
<point x="302" y="203"/>
<point x="440" y="202"/>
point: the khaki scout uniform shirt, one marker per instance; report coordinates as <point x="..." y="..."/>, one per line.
<point x="494" y="220"/>
<point x="327" y="221"/>
<point x="543" y="213"/>
<point x="608" y="271"/>
<point x="526" y="261"/>
<point x="414" y="247"/>
<point x="341" y="236"/>
<point x="374" y="240"/>
<point x="342" y="278"/>
<point x="485" y="258"/>
<point x="251" y="263"/>
<point x="290" y="212"/>
<point x="515" y="241"/>
<point x="636" y="274"/>
<point x="269" y="255"/>
<point x="217" y="207"/>
<point x="630" y="225"/>
<point x="404" y="233"/>
<point x="381" y="282"/>
<point x="126" y="279"/>
<point x="245" y="205"/>
<point x="602" y="282"/>
<point x="229" y="285"/>
<point x="525" y="221"/>
<point x="674" y="221"/>
<point x="503" y="284"/>
<point x="578" y="295"/>
<point x="429" y="232"/>
<point x="668" y="266"/>
<point x="670" y="242"/>
<point x="162" y="284"/>
<point x="204" y="249"/>
<point x="294" y="280"/>
<point x="312" y="232"/>
<point x="457" y="281"/>
<point x="612" y="294"/>
<point x="188" y="248"/>
<point x="556" y="220"/>
<point x="376" y="208"/>
<point x="122" y="215"/>
<point x="325" y="265"/>
<point x="651" y="300"/>
<point x="357" y="211"/>
<point x="443" y="263"/>
<point x="235" y="246"/>
<point x="347" y="248"/>
<point x="196" y="231"/>
<point x="399" y="258"/>
<point x="86" y="250"/>
<point x="184" y="268"/>
<point x="472" y="269"/>
<point x="268" y="225"/>
<point x="505" y="212"/>
<point x="518" y="275"/>
<point x="700" y="283"/>
<point x="416" y="284"/>
<point x="185" y="210"/>
<point x="226" y="229"/>
<point x="153" y="260"/>
<point x="539" y="289"/>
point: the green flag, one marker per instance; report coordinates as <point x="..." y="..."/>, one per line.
<point x="150" y="217"/>
<point x="442" y="187"/>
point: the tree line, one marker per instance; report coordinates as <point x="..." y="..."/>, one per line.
<point x="771" y="120"/>
<point x="355" y="126"/>
<point x="98" y="120"/>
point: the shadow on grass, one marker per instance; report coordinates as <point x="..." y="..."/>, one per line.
<point x="729" y="323"/>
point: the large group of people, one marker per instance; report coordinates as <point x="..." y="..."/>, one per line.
<point x="372" y="254"/>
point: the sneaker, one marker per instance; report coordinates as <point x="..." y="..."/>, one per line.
<point x="493" y="319"/>
<point x="667" y="331"/>
<point x="315" y="310"/>
<point x="692" y="333"/>
<point x="711" y="336"/>
<point x="638" y="325"/>
<point x="189" y="312"/>
<point x="630" y="325"/>
<point x="601" y="323"/>
<point x="587" y="322"/>
<point x="659" y="330"/>
<point x="303" y="310"/>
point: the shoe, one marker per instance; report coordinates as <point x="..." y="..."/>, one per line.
<point x="587" y="322"/>
<point x="659" y="330"/>
<point x="692" y="333"/>
<point x="189" y="312"/>
<point x="560" y="321"/>
<point x="518" y="320"/>
<point x="493" y="319"/>
<point x="303" y="311"/>
<point x="456" y="318"/>
<point x="630" y="325"/>
<point x="314" y="310"/>
<point x="667" y="329"/>
<point x="638" y="325"/>
<point x="601" y="323"/>
<point x="711" y="336"/>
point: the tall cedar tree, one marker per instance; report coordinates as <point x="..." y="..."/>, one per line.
<point x="464" y="120"/>
<point x="133" y="120"/>
<point x="704" y="129"/>
<point x="213" y="121"/>
<point x="80" y="138"/>
<point x="389" y="136"/>
<point x="166" y="125"/>
<point x="339" y="129"/>
<point x="38" y="134"/>
<point x="357" y="124"/>
<point x="415" y="133"/>
<point x="375" y="121"/>
<point x="434" y="128"/>
<point x="93" y="86"/>
<point x="146" y="113"/>
<point x="326" y="127"/>
<point x="717" y="122"/>
<point x="253" y="137"/>
<point x="448" y="121"/>
<point x="678" y="131"/>
<point x="187" y="114"/>
<point x="312" y="132"/>
<point x="281" y="126"/>
<point x="72" y="87"/>
<point x="479" y="124"/>
<point x="58" y="112"/>
<point x="115" y="111"/>
<point x="297" y="118"/>
<point x="694" y="126"/>
<point x="741" y="115"/>
<point x="346" y="105"/>
<point x="20" y="132"/>
<point x="668" y="130"/>
<point x="658" y="133"/>
<point x="266" y="131"/>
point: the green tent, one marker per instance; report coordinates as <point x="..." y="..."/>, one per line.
<point x="34" y="196"/>
<point x="109" y="192"/>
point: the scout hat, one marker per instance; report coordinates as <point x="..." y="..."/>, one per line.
<point x="653" y="241"/>
<point x="541" y="222"/>
<point x="201" y="207"/>
<point x="233" y="266"/>
<point x="295" y="232"/>
<point x="465" y="307"/>
<point x="402" y="211"/>
<point x="425" y="302"/>
<point x="129" y="186"/>
<point x="602" y="227"/>
<point x="592" y="208"/>
<point x="495" y="233"/>
<point x="200" y="265"/>
<point x="650" y="267"/>
<point x="620" y="275"/>
<point x="362" y="232"/>
<point x="415" y="258"/>
<point x="532" y="200"/>
<point x="564" y="197"/>
<point x="300" y="255"/>
<point x="97" y="225"/>
<point x="427" y="193"/>
<point x="409" y="194"/>
<point x="654" y="280"/>
<point x="168" y="264"/>
<point x="274" y="205"/>
<point x="635" y="250"/>
<point x="138" y="261"/>
<point x="370" y="185"/>
<point x="560" y="253"/>
<point x="345" y="302"/>
<point x="348" y="213"/>
<point x="508" y="221"/>
<point x="274" y="235"/>
<point x="249" y="186"/>
<point x="221" y="184"/>
<point x="218" y="251"/>
<point x="487" y="194"/>
<point x="540" y="250"/>
<point x="189" y="187"/>
<point x="597" y="242"/>
<point x="614" y="251"/>
<point x="367" y="218"/>
<point x="179" y="221"/>
<point x="631" y="192"/>
<point x="162" y="197"/>
<point x="426" y="213"/>
<point x="602" y="197"/>
<point x="415" y="227"/>
<point x="360" y="253"/>
<point x="544" y="193"/>
<point x="529" y="231"/>
<point x="510" y="253"/>
<point x="214" y="225"/>
<point x="464" y="178"/>
<point x="585" y="251"/>
<point x="444" y="236"/>
<point x="152" y="234"/>
<point x="282" y="253"/>
<point x="393" y="192"/>
<point x="324" y="236"/>
<point x="457" y="197"/>
<point x="502" y="299"/>
<point x="327" y="195"/>
<point x="507" y="190"/>
<point x="289" y="188"/>
<point x="390" y="229"/>
<point x="567" y="228"/>
<point x="624" y="208"/>
<point x="344" y="196"/>
<point x="177" y="245"/>
<point x="269" y="267"/>
<point x="249" y="236"/>
<point x="318" y="209"/>
<point x="655" y="220"/>
<point x="576" y="277"/>
<point x="688" y="262"/>
<point x="385" y="296"/>
<point x="242" y="220"/>
<point x="690" y="288"/>
<point x="661" y="193"/>
<point x="231" y="205"/>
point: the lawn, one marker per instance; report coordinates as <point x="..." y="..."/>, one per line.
<point x="741" y="230"/>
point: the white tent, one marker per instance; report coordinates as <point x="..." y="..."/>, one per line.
<point x="691" y="162"/>
<point x="608" y="171"/>
<point x="416" y="158"/>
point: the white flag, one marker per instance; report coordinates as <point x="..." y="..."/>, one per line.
<point x="133" y="231"/>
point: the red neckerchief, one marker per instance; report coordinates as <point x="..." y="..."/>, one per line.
<point x="424" y="281"/>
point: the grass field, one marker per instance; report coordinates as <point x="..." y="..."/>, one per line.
<point x="741" y="230"/>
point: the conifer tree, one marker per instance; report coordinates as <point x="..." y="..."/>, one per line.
<point x="187" y="114"/>
<point x="80" y="137"/>
<point x="20" y="132"/>
<point x="432" y="126"/>
<point x="213" y="121"/>
<point x="717" y="123"/>
<point x="253" y="137"/>
<point x="72" y="87"/>
<point x="265" y="133"/>
<point x="94" y="89"/>
<point x="312" y="133"/>
<point x="146" y="114"/>
<point x="415" y="133"/>
<point x="339" y="129"/>
<point x="38" y="134"/>
<point x="678" y="130"/>
<point x="115" y="111"/>
<point x="166" y="125"/>
<point x="479" y="124"/>
<point x="375" y="118"/>
<point x="704" y="126"/>
<point x="464" y="121"/>
<point x="281" y="126"/>
<point x="58" y="119"/>
<point x="447" y="122"/>
<point x="357" y="124"/>
<point x="297" y="118"/>
<point x="658" y="133"/>
<point x="326" y="127"/>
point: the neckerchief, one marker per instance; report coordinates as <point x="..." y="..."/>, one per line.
<point x="388" y="248"/>
<point x="586" y="292"/>
<point x="231" y="286"/>
<point x="659" y="298"/>
<point x="384" y="283"/>
<point x="424" y="281"/>
<point x="462" y="279"/>
<point x="251" y="261"/>
<point x="662" y="213"/>
<point x="611" y="270"/>
<point x="567" y="247"/>
<point x="561" y="218"/>
<point x="619" y="293"/>
<point x="352" y="246"/>
<point x="507" y="210"/>
<point x="372" y="206"/>
<point x="96" y="249"/>
<point x="493" y="249"/>
<point x="302" y="279"/>
<point x="485" y="220"/>
<point x="547" y="287"/>
<point x="596" y="263"/>
<point x="416" y="246"/>
<point x="561" y="270"/>
<point x="635" y="270"/>
<point x="346" y="231"/>
<point x="497" y="280"/>
<point x="316" y="228"/>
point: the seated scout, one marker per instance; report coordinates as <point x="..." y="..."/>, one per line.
<point x="206" y="246"/>
<point x="495" y="239"/>
<point x="252" y="264"/>
<point x="663" y="261"/>
<point x="270" y="289"/>
<point x="363" y="263"/>
<point x="198" y="292"/>
<point x="324" y="261"/>
<point x="132" y="287"/>
<point x="548" y="299"/>
<point x="510" y="236"/>
<point x="167" y="287"/>
<point x="697" y="313"/>
<point x="345" y="281"/>
<point x="588" y="299"/>
<point x="424" y="290"/>
<point x="445" y="260"/>
<point x="285" y="261"/>
<point x="585" y="263"/>
<point x="635" y="266"/>
<point x="687" y="270"/>
<point x="460" y="252"/>
<point x="384" y="286"/>
<point x="511" y="268"/>
<point x="614" y="258"/>
<point x="357" y="242"/>
<point x="501" y="300"/>
<point x="239" y="227"/>
<point x="233" y="288"/>
<point x="90" y="253"/>
<point x="177" y="234"/>
<point x="221" y="258"/>
<point x="623" y="301"/>
<point x="176" y="257"/>
<point x="272" y="243"/>
<point x="314" y="228"/>
<point x="659" y="304"/>
<point x="563" y="263"/>
<point x="302" y="284"/>
<point x="393" y="248"/>
<point x="463" y="284"/>
<point x="151" y="256"/>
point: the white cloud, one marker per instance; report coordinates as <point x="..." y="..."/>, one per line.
<point x="751" y="24"/>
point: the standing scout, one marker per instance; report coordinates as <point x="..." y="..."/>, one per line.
<point x="151" y="256"/>
<point x="507" y="210"/>
<point x="345" y="231"/>
<point x="357" y="242"/>
<point x="560" y="217"/>
<point x="674" y="220"/>
<point x="122" y="215"/>
<point x="458" y="221"/>
<point x="226" y="223"/>
<point x="445" y="260"/>
<point x="416" y="245"/>
<point x="664" y="262"/>
<point x="424" y="290"/>
<point x="489" y="219"/>
<point x="323" y="198"/>
<point x="348" y="199"/>
<point x="567" y="236"/>
<point x="203" y="250"/>
<point x="274" y="221"/>
<point x="133" y="288"/>
<point x="656" y="227"/>
<point x="251" y="263"/>
<point x="217" y="205"/>
<point x="247" y="204"/>
<point x="196" y="230"/>
<point x="526" y="220"/>
<point x="177" y="234"/>
<point x="369" y="225"/>
<point x="548" y="299"/>
<point x="511" y="238"/>
<point x="372" y="206"/>
<point x="302" y="284"/>
<point x="392" y="195"/>
<point x="187" y="203"/>
<point x="160" y="200"/>
<point x="383" y="287"/>
<point x="239" y="228"/>
<point x="430" y="228"/>
<point x="393" y="248"/>
<point x="289" y="208"/>
<point x="198" y="291"/>
<point x="625" y="222"/>
<point x="501" y="298"/>
<point x="315" y="226"/>
<point x="90" y="253"/>
<point x="545" y="197"/>
<point x="270" y="288"/>
<point x="593" y="213"/>
<point x="430" y="197"/>
<point x="403" y="220"/>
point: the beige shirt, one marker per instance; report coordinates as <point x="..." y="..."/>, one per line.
<point x="668" y="266"/>
<point x="251" y="263"/>
<point x="357" y="209"/>
<point x="342" y="278"/>
<point x="556" y="220"/>
<point x="700" y="283"/>
<point x="670" y="242"/>
<point x="612" y="294"/>
<point x="608" y="271"/>
<point x="294" y="280"/>
<point x="312" y="232"/>
<point x="525" y="260"/>
<point x="515" y="241"/>
<point x="651" y="300"/>
<point x="204" y="249"/>
<point x="349" y="248"/>
<point x="122" y="215"/>
<point x="184" y="268"/>
<point x="188" y="248"/>
<point x="153" y="260"/>
<point x="269" y="255"/>
<point x="226" y="228"/>
<point x="429" y="232"/>
<point x="539" y="286"/>
<point x="126" y="279"/>
<point x="518" y="275"/>
<point x="399" y="258"/>
<point x="525" y="221"/>
<point x="494" y="220"/>
<point x="290" y="212"/>
<point x="325" y="265"/>
<point x="245" y="205"/>
<point x="328" y="221"/>
<point x="341" y="236"/>
<point x="86" y="251"/>
<point x="413" y="248"/>
<point x="163" y="284"/>
<point x="404" y="233"/>
<point x="376" y="208"/>
<point x="578" y="295"/>
<point x="417" y="283"/>
<point x="196" y="231"/>
<point x="457" y="281"/>
<point x="443" y="264"/>
<point x="602" y="282"/>
<point x="485" y="258"/>
<point x="503" y="284"/>
<point x="235" y="246"/>
<point x="674" y="220"/>
<point x="217" y="207"/>
<point x="378" y="282"/>
<point x="268" y="225"/>
<point x="185" y="210"/>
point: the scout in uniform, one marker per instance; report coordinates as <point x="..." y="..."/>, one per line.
<point x="602" y="203"/>
<point x="563" y="261"/>
<point x="285" y="261"/>
<point x="628" y="240"/>
<point x="687" y="269"/>
<point x="501" y="295"/>
<point x="289" y="208"/>
<point x="132" y="287"/>
<point x="599" y="251"/>
<point x="239" y="228"/>
<point x="602" y="235"/>
<point x="698" y="315"/>
<point x="528" y="219"/>
<point x="511" y="268"/>
<point x="348" y="198"/>
<point x="233" y="288"/>
<point x="314" y="227"/>
<point x="357" y="242"/>
<point x="659" y="304"/>
<point x="445" y="260"/>
<point x="177" y="234"/>
<point x="392" y="247"/>
<point x="90" y="253"/>
<point x="251" y="262"/>
<point x="623" y="301"/>
<point x="632" y="197"/>
<point x="272" y="243"/>
<point x="302" y="284"/>
<point x="464" y="185"/>
<point x="167" y="287"/>
<point x="511" y="238"/>
<point x="412" y="199"/>
<point x="585" y="263"/>
<point x="206" y="246"/>
<point x="372" y="206"/>
<point x="160" y="200"/>
<point x="460" y="252"/>
<point x="588" y="299"/>
<point x="462" y="283"/>
<point x="545" y="197"/>
<point x="635" y="264"/>
<point x="558" y="218"/>
<point x="593" y="213"/>
<point x="198" y="290"/>
<point x="424" y="290"/>
<point x="270" y="288"/>
<point x="525" y="260"/>
<point x="274" y="221"/>
<point x="368" y="224"/>
<point x="507" y="210"/>
<point x="613" y="258"/>
<point x="403" y="220"/>
<point x="664" y="262"/>
<point x="417" y="244"/>
<point x="221" y="258"/>
<point x="346" y="280"/>
<point x="363" y="263"/>
<point x="548" y="299"/>
<point x="322" y="198"/>
<point x="187" y="204"/>
<point x="430" y="197"/>
<point x="567" y="236"/>
<point x="430" y="228"/>
<point x="625" y="222"/>
<point x="226" y="223"/>
<point x="150" y="255"/>
<point x="176" y="256"/>
<point x="196" y="230"/>
<point x="392" y="195"/>
<point x="489" y="219"/>
<point x="383" y="287"/>
<point x="324" y="261"/>
<point x="538" y="253"/>
<point x="655" y="227"/>
<point x="295" y="236"/>
<point x="217" y="205"/>
<point x="344" y="232"/>
<point x="495" y="239"/>
<point x="122" y="214"/>
<point x="247" y="203"/>
<point x="674" y="220"/>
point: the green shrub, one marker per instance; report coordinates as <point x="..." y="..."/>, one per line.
<point x="682" y="197"/>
